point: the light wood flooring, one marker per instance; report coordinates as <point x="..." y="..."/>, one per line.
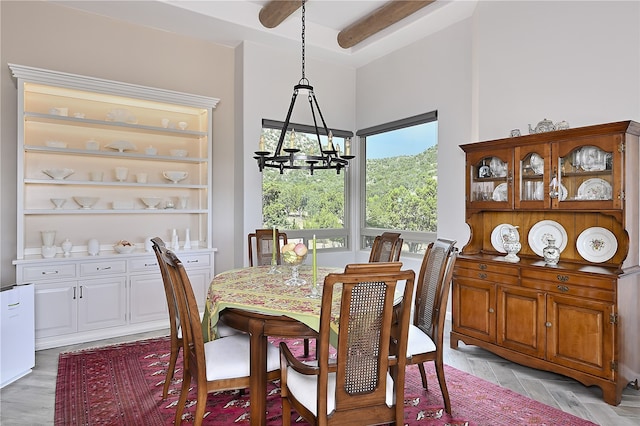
<point x="30" y="400"/>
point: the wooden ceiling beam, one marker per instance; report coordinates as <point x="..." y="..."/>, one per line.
<point x="381" y="18"/>
<point x="273" y="13"/>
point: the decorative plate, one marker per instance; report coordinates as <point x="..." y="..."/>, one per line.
<point x="592" y="159"/>
<point x="537" y="164"/>
<point x="595" y="189"/>
<point x="500" y="193"/>
<point x="121" y="146"/>
<point x="597" y="244"/>
<point x="496" y="237"/>
<point x="544" y="230"/>
<point x="498" y="168"/>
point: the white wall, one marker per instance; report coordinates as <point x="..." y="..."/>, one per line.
<point x="510" y="64"/>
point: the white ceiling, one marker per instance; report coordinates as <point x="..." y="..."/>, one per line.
<point x="229" y="22"/>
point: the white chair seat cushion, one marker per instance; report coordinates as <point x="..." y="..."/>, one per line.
<point x="418" y="342"/>
<point x="225" y="330"/>
<point x="228" y="357"/>
<point x="305" y="389"/>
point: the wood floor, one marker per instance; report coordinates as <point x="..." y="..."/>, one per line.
<point x="30" y="400"/>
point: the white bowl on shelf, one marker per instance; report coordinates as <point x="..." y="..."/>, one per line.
<point x="86" y="202"/>
<point x="58" y="202"/>
<point x="175" y="176"/>
<point x="179" y="152"/>
<point x="151" y="202"/>
<point x="58" y="174"/>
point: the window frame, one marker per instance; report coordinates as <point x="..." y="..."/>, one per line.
<point x="306" y="235"/>
<point x="367" y="233"/>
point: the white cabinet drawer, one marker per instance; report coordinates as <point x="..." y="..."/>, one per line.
<point x="49" y="271"/>
<point x="104" y="267"/>
<point x="144" y="264"/>
<point x="195" y="260"/>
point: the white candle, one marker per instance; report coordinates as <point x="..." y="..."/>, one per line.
<point x="261" y="144"/>
<point x="330" y="140"/>
<point x="292" y="139"/>
<point x="347" y="146"/>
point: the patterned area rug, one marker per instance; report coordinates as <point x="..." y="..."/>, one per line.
<point x="122" y="385"/>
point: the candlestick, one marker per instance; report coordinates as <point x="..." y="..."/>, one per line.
<point x="273" y="248"/>
<point x="292" y="138"/>
<point x="314" y="262"/>
<point x="261" y="144"/>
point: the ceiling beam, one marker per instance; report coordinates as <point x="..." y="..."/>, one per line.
<point x="273" y="13"/>
<point x="381" y="18"/>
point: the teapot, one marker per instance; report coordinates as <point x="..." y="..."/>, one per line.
<point x="542" y="127"/>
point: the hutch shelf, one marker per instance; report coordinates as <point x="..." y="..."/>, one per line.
<point x="579" y="317"/>
<point x="98" y="162"/>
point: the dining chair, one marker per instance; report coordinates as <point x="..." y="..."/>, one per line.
<point x="364" y="383"/>
<point x="175" y="332"/>
<point x="217" y="365"/>
<point x="430" y="308"/>
<point x="386" y="247"/>
<point x="260" y="246"/>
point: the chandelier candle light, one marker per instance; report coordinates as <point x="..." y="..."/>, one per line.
<point x="329" y="157"/>
<point x="315" y="294"/>
<point x="274" y="260"/>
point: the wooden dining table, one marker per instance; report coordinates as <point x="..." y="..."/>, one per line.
<point x="262" y="304"/>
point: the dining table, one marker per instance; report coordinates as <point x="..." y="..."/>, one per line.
<point x="262" y="304"/>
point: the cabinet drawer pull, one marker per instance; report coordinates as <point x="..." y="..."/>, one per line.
<point x="192" y="261"/>
<point x="151" y="264"/>
<point x="482" y="276"/>
<point x="81" y="292"/>
<point x="482" y="266"/>
<point x="491" y="310"/>
<point x="50" y="272"/>
<point x="74" y="293"/>
<point x="563" y="288"/>
<point x="103" y="269"/>
<point x="547" y="324"/>
<point x="563" y="278"/>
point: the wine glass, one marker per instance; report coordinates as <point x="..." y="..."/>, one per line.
<point x="294" y="261"/>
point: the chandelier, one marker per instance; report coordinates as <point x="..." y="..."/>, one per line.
<point x="328" y="157"/>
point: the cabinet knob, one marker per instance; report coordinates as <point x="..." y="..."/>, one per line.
<point x="547" y="324"/>
<point x="491" y="310"/>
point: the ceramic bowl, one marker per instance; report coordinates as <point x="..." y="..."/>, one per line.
<point x="151" y="202"/>
<point x="58" y="174"/>
<point x="175" y="176"/>
<point x="178" y="152"/>
<point x="86" y="202"/>
<point x="119" y="248"/>
<point x="58" y="202"/>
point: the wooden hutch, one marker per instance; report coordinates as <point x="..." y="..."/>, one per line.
<point x="580" y="317"/>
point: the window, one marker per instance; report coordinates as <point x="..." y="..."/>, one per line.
<point x="399" y="181"/>
<point x="302" y="204"/>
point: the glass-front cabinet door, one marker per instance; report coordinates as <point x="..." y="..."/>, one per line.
<point x="533" y="163"/>
<point x="584" y="174"/>
<point x="489" y="180"/>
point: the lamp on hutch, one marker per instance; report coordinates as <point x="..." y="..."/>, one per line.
<point x="328" y="157"/>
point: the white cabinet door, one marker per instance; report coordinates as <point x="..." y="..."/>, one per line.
<point x="56" y="309"/>
<point x="101" y="303"/>
<point x="200" y="283"/>
<point x="147" y="298"/>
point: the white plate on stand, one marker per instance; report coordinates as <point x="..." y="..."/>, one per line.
<point x="597" y="244"/>
<point x="543" y="231"/>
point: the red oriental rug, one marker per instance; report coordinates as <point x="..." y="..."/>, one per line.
<point x="122" y="385"/>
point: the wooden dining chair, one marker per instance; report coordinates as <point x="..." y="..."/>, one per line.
<point x="364" y="384"/>
<point x="261" y="246"/>
<point x="386" y="247"/>
<point x="217" y="365"/>
<point x="430" y="308"/>
<point x="175" y="332"/>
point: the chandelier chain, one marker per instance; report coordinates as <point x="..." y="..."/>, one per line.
<point x="303" y="45"/>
